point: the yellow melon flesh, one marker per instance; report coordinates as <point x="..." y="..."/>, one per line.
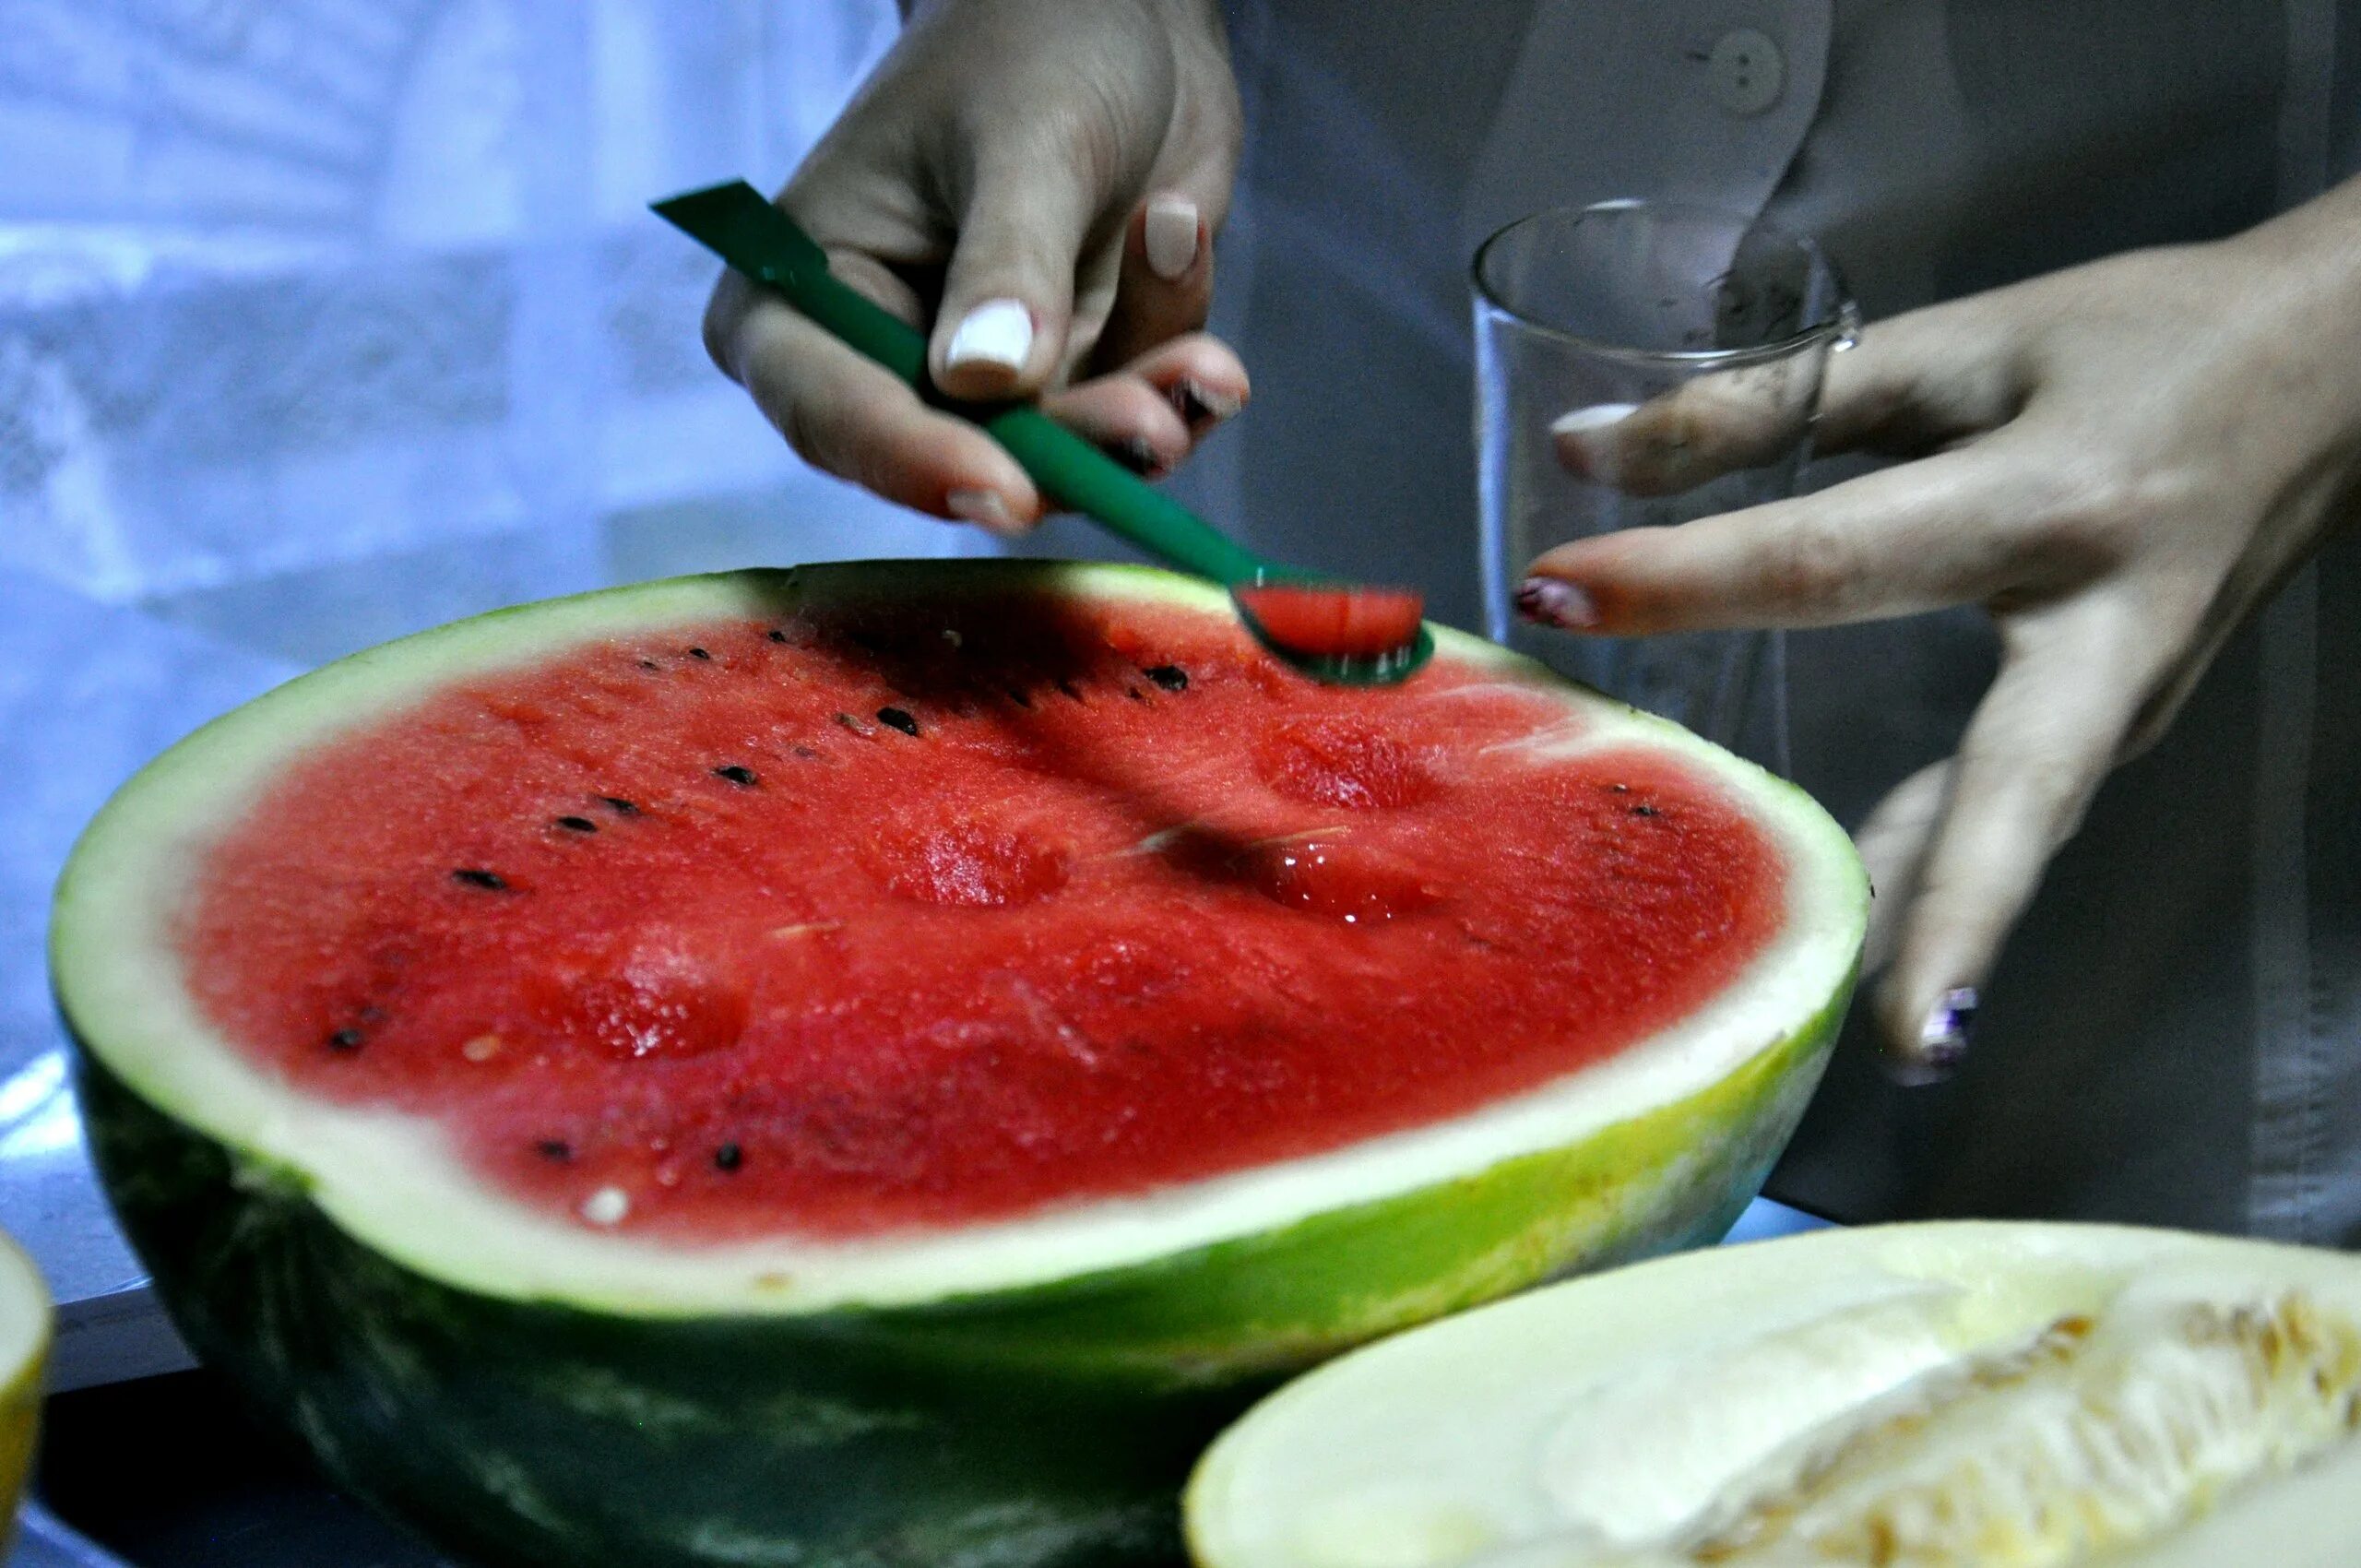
<point x="24" y="1357"/>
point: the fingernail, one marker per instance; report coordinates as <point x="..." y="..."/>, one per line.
<point x="1170" y="236"/>
<point x="1943" y="1039"/>
<point x="1200" y="404"/>
<point x="1135" y="454"/>
<point x="1579" y="439"/>
<point x="984" y="508"/>
<point x="997" y="332"/>
<point x="1554" y="601"/>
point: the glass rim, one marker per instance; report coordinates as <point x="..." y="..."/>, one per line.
<point x="1842" y="323"/>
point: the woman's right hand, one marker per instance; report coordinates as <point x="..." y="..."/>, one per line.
<point x="1038" y="183"/>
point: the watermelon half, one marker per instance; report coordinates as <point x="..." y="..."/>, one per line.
<point x="874" y="1064"/>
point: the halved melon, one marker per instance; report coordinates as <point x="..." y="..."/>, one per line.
<point x="1949" y="1396"/>
<point x="24" y="1359"/>
<point x="877" y="1062"/>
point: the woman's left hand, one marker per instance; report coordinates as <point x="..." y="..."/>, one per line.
<point x="2120" y="462"/>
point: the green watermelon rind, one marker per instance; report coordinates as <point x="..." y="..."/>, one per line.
<point x="538" y="1417"/>
<point x="1042" y="1425"/>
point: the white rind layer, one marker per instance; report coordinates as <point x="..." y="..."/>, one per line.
<point x="376" y="1173"/>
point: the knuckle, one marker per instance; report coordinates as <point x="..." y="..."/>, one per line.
<point x="1812" y="564"/>
<point x="725" y="314"/>
<point x="2092" y="522"/>
<point x="806" y="435"/>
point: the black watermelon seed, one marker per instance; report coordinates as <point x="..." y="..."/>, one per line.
<point x="1644" y="811"/>
<point x="1067" y="687"/>
<point x="621" y="806"/>
<point x="1171" y="677"/>
<point x="898" y="719"/>
<point x="778" y="637"/>
<point x="1019" y="698"/>
<point x="345" y="1039"/>
<point x="554" y="1148"/>
<point x="729" y="1156"/>
<point x="577" y="825"/>
<point x="741" y="777"/>
<point x="699" y="653"/>
<point x="647" y="664"/>
<point x="490" y="881"/>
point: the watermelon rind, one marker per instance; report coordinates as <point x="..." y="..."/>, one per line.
<point x="1020" y="1391"/>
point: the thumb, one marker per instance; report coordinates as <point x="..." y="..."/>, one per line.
<point x="1008" y="293"/>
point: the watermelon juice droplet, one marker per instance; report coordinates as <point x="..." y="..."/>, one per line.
<point x="1333" y="620"/>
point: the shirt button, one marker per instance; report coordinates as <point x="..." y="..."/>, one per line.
<point x="1747" y="71"/>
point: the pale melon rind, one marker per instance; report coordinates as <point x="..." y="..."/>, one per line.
<point x="1482" y="1439"/>
<point x="25" y="1335"/>
<point x="533" y="1394"/>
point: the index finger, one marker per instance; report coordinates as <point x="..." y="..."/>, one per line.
<point x="1927" y="534"/>
<point x="852" y="418"/>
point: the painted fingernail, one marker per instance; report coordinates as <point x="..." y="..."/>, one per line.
<point x="1943" y="1039"/>
<point x="1200" y="404"/>
<point x="998" y="332"/>
<point x="985" y="509"/>
<point x="1583" y="447"/>
<point x="1170" y="236"/>
<point x="1554" y="601"/>
<point x="1135" y="454"/>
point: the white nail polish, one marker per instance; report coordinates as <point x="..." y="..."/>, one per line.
<point x="1170" y="236"/>
<point x="1598" y="416"/>
<point x="984" y="508"/>
<point x="996" y="332"/>
<point x="1579" y="434"/>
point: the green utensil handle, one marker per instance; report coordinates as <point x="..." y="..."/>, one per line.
<point x="757" y="239"/>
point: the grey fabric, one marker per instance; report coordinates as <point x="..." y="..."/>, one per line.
<point x="2175" y="1034"/>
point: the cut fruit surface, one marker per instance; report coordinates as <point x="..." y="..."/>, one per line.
<point x="25" y="1323"/>
<point x="957" y="1025"/>
<point x="942" y="914"/>
<point x="1912" y="1397"/>
<point x="1333" y="620"/>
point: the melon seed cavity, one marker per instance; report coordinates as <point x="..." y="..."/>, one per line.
<point x="729" y="1156"/>
<point x="741" y="777"/>
<point x="898" y="719"/>
<point x="490" y="881"/>
<point x="577" y="825"/>
<point x="1171" y="677"/>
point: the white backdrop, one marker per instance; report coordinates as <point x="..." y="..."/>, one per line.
<point x="324" y="320"/>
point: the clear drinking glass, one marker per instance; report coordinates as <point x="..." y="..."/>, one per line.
<point x="1588" y="312"/>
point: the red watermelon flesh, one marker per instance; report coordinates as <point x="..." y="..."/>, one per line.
<point x="1333" y="620"/>
<point x="901" y="918"/>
